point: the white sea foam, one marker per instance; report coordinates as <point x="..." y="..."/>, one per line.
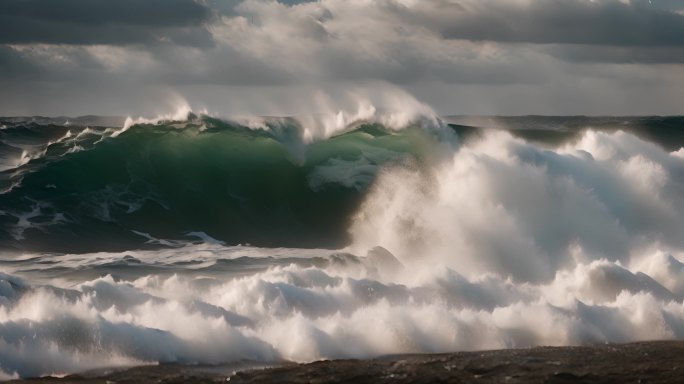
<point x="347" y="309"/>
<point x="503" y="206"/>
<point x="180" y="114"/>
<point x="500" y="245"/>
<point x="335" y="113"/>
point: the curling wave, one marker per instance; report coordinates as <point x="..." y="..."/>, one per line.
<point x="88" y="188"/>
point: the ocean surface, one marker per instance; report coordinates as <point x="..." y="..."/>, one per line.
<point x="201" y="240"/>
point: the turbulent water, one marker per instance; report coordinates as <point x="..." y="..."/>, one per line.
<point x="203" y="240"/>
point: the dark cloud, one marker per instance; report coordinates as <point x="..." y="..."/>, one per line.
<point x="618" y="54"/>
<point x="41" y="64"/>
<point x="95" y="12"/>
<point x="13" y="65"/>
<point x="600" y="22"/>
<point x="103" y="22"/>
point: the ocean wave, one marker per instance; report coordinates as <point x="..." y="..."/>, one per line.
<point x="240" y="184"/>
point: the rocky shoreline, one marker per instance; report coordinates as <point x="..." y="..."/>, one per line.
<point x="645" y="362"/>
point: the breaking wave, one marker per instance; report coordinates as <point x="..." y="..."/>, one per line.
<point x="454" y="238"/>
<point x="258" y="182"/>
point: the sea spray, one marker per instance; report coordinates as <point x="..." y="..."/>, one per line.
<point x="504" y="206"/>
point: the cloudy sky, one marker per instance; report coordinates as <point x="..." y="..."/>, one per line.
<point x="71" y="57"/>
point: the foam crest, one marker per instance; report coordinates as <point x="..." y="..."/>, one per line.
<point x="398" y="111"/>
<point x="181" y="113"/>
<point x="334" y="113"/>
<point x="505" y="206"/>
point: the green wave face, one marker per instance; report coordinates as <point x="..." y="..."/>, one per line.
<point x="238" y="185"/>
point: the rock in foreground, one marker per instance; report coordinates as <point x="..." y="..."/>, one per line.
<point x="647" y="362"/>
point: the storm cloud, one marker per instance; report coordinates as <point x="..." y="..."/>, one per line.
<point x="599" y="22"/>
<point x="103" y="22"/>
<point x="563" y="55"/>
